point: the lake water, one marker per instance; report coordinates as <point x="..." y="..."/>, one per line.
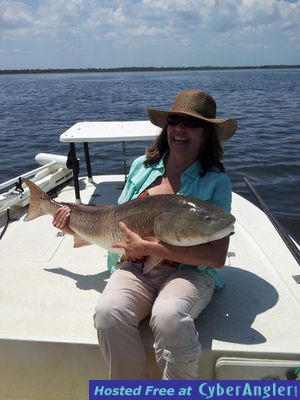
<point x="37" y="108"/>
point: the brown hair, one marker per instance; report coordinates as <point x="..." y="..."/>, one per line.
<point x="210" y="155"/>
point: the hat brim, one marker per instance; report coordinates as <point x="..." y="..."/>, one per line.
<point x="224" y="127"/>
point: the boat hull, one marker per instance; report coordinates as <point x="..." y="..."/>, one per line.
<point x="48" y="290"/>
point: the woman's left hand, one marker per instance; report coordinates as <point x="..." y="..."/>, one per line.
<point x="135" y="247"/>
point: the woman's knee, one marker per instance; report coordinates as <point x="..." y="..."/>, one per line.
<point x="110" y="314"/>
<point x="105" y="317"/>
<point x="173" y="327"/>
<point x="166" y="321"/>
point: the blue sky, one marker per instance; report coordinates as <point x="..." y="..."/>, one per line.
<point x="117" y="33"/>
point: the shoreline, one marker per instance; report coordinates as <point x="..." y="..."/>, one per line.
<point x="141" y="69"/>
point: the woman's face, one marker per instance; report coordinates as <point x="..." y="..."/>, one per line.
<point x="185" y="136"/>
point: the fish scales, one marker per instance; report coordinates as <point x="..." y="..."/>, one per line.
<point x="174" y="219"/>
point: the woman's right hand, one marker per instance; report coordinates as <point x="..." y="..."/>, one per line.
<point x="61" y="219"/>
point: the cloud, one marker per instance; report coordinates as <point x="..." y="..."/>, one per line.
<point x="179" y="17"/>
<point x="197" y="25"/>
<point x="14" y="15"/>
<point x="49" y="17"/>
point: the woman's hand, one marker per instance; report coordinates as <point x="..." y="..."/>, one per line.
<point x="61" y="219"/>
<point x="212" y="253"/>
<point x="135" y="247"/>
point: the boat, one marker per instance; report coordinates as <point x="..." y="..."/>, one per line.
<point x="48" y="289"/>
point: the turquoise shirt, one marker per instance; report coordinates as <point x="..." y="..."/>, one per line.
<point x="214" y="187"/>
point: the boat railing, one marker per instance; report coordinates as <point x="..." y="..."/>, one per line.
<point x="48" y="163"/>
<point x="51" y="173"/>
<point x="290" y="243"/>
<point x="28" y="174"/>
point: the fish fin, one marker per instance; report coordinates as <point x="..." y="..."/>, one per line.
<point x="37" y="196"/>
<point x="150" y="263"/>
<point x="79" y="241"/>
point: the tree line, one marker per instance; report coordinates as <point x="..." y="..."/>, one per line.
<point x="139" y="69"/>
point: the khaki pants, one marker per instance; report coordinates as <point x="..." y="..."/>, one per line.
<point x="174" y="298"/>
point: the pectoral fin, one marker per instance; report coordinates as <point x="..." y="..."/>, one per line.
<point x="79" y="241"/>
<point x="150" y="263"/>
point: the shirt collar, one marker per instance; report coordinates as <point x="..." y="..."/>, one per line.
<point x="192" y="170"/>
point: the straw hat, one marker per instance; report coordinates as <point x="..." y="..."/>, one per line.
<point x="197" y="104"/>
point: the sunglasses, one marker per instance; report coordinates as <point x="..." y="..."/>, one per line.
<point x="187" y="122"/>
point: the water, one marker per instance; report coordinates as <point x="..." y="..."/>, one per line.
<point x="36" y="109"/>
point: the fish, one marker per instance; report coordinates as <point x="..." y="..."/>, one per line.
<point x="174" y="219"/>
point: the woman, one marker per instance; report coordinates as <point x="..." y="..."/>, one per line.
<point x="185" y="159"/>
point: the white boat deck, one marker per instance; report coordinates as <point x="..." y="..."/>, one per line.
<point x="48" y="291"/>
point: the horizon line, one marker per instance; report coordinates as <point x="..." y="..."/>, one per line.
<point x="149" y="68"/>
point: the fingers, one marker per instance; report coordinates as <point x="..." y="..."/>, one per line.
<point x="124" y="228"/>
<point x="128" y="232"/>
<point x="129" y="236"/>
<point x="118" y="245"/>
<point x="61" y="219"/>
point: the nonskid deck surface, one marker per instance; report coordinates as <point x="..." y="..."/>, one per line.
<point x="48" y="291"/>
<point x="40" y="268"/>
<point x="48" y="288"/>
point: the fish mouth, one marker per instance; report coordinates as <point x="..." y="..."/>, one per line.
<point x="220" y="234"/>
<point x="193" y="241"/>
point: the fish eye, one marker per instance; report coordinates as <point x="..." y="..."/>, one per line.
<point x="207" y="218"/>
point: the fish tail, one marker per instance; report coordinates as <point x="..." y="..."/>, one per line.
<point x="37" y="198"/>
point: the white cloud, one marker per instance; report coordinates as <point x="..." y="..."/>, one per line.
<point x="191" y="24"/>
<point x="183" y="17"/>
<point x="14" y="15"/>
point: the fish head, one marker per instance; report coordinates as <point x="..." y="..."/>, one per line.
<point x="193" y="222"/>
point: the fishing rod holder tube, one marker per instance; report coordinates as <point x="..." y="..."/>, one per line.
<point x="46" y="158"/>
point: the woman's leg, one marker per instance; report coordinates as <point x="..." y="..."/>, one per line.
<point x="181" y="299"/>
<point x="126" y="300"/>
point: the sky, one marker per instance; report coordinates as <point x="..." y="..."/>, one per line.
<point x="143" y="33"/>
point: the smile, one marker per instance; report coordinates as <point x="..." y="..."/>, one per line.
<point x="179" y="139"/>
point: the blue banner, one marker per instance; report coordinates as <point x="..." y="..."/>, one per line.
<point x="200" y="390"/>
